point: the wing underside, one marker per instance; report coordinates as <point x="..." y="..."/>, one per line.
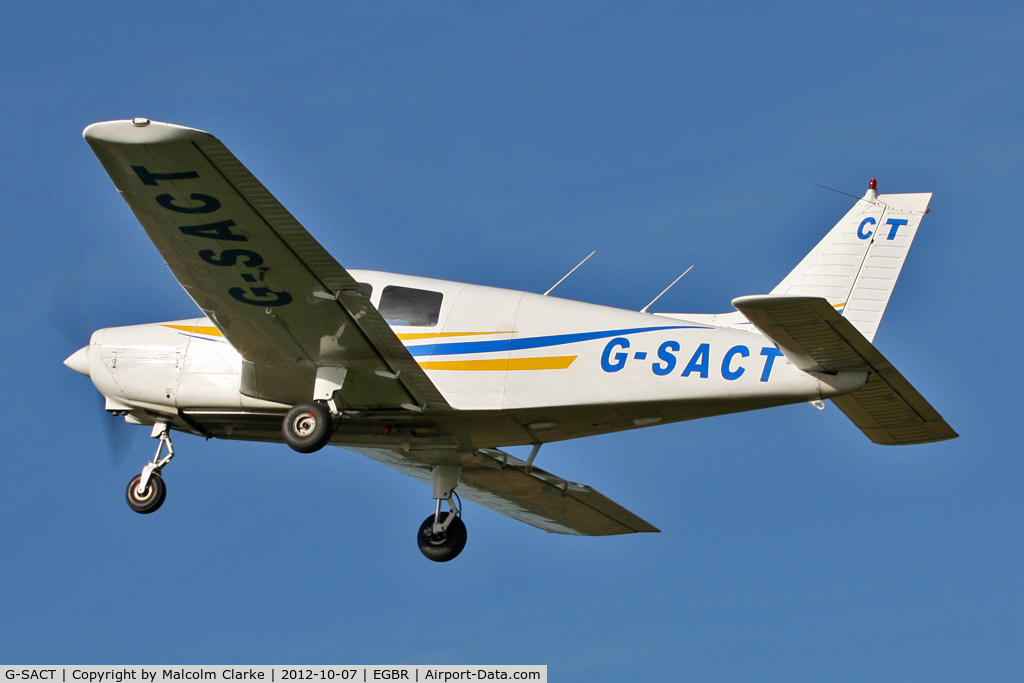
<point x="278" y="297"/>
<point x="503" y="483"/>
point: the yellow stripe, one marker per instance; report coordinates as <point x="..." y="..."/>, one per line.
<point x="209" y="331"/>
<point x="547" y="363"/>
<point x="434" y="335"/>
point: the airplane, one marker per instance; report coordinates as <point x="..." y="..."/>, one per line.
<point x="433" y="378"/>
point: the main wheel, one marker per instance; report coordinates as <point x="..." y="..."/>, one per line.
<point x="443" y="547"/>
<point x="307" y="427"/>
<point x="152" y="499"/>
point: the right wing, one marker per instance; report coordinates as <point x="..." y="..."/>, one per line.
<point x="817" y="339"/>
<point x="490" y="477"/>
<point x="277" y="296"/>
<point x="503" y="483"/>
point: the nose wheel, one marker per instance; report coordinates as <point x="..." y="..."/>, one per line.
<point x="151" y="497"/>
<point x="146" y="491"/>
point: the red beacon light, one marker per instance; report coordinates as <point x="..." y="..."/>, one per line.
<point x="873" y="185"/>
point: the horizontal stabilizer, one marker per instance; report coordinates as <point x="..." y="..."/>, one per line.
<point x="503" y="483"/>
<point x="815" y="338"/>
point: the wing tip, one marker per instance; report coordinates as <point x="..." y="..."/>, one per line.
<point x="140" y="131"/>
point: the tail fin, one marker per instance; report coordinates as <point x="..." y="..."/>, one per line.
<point x="856" y="265"/>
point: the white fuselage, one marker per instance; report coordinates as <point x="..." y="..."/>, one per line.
<point x="489" y="350"/>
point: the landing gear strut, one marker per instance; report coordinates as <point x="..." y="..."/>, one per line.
<point x="442" y="536"/>
<point x="146" y="492"/>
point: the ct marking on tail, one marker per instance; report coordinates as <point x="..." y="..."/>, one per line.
<point x="860" y="231"/>
<point x="895" y="223"/>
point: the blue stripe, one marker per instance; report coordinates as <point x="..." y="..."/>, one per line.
<point x="196" y="336"/>
<point x="453" y="348"/>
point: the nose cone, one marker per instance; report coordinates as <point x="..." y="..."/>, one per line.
<point x="79" y="361"/>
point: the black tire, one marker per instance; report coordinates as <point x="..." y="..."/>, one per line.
<point x="307" y="427"/>
<point x="445" y="547"/>
<point x="152" y="499"/>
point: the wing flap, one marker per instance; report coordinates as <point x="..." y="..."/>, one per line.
<point x="815" y="338"/>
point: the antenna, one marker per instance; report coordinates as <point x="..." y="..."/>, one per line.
<point x="569" y="273"/>
<point x="644" y="309"/>
<point x="832" y="189"/>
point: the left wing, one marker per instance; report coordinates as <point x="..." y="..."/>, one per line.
<point x="281" y="300"/>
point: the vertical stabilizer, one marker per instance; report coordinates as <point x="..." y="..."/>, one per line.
<point x="856" y="265"/>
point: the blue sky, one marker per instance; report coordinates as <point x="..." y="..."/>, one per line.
<point x="499" y="143"/>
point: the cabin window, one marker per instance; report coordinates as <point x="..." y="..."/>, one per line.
<point x="407" y="306"/>
<point x="366" y="289"/>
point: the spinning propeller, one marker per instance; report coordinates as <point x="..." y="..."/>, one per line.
<point x="72" y="316"/>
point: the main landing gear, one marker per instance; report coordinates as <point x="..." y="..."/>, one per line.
<point x="308" y="426"/>
<point x="442" y="536"/>
<point x="147" y="491"/>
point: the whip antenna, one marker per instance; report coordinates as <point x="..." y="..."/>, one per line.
<point x="569" y="273"/>
<point x="644" y="309"/>
<point x="832" y="189"/>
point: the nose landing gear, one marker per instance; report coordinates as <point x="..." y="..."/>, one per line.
<point x="147" y="491"/>
<point x="151" y="497"/>
<point x="442" y="536"/>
